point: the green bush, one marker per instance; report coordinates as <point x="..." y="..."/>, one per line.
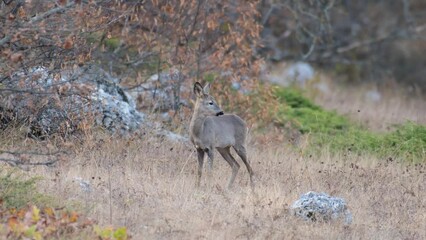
<point x="306" y="116"/>
<point x="329" y="130"/>
<point x="17" y="192"/>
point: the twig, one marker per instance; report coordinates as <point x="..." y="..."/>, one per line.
<point x="32" y="153"/>
<point x="361" y="43"/>
<point x="5" y="40"/>
<point x="311" y="49"/>
<point x="19" y="162"/>
<point x="40" y="17"/>
<point x="51" y="12"/>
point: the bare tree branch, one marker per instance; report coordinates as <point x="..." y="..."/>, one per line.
<point x="40" y="17"/>
<point x="5" y="40"/>
<point x="51" y="12"/>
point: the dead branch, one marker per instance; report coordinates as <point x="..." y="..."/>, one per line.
<point x="40" y="17"/>
<point x="17" y="158"/>
<point x="51" y="12"/>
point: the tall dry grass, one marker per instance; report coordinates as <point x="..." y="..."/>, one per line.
<point x="148" y="185"/>
<point x="376" y="105"/>
<point x="360" y="102"/>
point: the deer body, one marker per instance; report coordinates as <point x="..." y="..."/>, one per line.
<point x="210" y="129"/>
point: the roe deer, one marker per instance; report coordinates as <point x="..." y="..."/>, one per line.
<point x="210" y="129"/>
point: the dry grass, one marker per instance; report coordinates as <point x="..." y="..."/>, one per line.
<point x="148" y="185"/>
<point x="396" y="106"/>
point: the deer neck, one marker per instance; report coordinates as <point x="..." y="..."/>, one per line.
<point x="196" y="126"/>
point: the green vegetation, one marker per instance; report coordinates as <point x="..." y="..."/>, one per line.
<point x="21" y="217"/>
<point x="17" y="192"/>
<point x="336" y="132"/>
<point x="112" y="43"/>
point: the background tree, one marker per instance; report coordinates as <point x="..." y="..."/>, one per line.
<point x="199" y="39"/>
<point x="368" y="40"/>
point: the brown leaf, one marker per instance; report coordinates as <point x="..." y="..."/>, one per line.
<point x="16" y="57"/>
<point x="11" y="16"/>
<point x="6" y="52"/>
<point x="68" y="43"/>
<point x="12" y="222"/>
<point x="62" y="2"/>
<point x="21" y="12"/>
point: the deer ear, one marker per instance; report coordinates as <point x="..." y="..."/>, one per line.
<point x="206" y="89"/>
<point x="198" y="89"/>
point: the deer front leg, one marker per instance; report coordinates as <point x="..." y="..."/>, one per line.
<point x="200" y="153"/>
<point x="210" y="154"/>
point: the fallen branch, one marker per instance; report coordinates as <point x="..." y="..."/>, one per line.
<point x="19" y="160"/>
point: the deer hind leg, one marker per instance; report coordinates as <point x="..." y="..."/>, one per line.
<point x="241" y="151"/>
<point x="226" y="154"/>
<point x="200" y="153"/>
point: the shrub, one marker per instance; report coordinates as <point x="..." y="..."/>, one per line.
<point x="17" y="192"/>
<point x="329" y="130"/>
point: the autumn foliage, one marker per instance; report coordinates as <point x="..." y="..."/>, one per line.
<point x="48" y="223"/>
<point x="194" y="37"/>
<point x="134" y="40"/>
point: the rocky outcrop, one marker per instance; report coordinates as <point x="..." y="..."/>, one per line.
<point x="66" y="101"/>
<point x="162" y="92"/>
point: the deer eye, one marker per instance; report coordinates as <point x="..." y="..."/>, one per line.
<point x="211" y="103"/>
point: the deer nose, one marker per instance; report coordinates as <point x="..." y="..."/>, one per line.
<point x="219" y="113"/>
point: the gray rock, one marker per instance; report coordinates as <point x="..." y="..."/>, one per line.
<point x="314" y="207"/>
<point x="58" y="103"/>
<point x="161" y="92"/>
<point x="299" y="73"/>
<point x="373" y="96"/>
<point x="84" y="184"/>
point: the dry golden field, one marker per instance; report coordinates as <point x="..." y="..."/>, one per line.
<point x="396" y="105"/>
<point x="148" y="185"/>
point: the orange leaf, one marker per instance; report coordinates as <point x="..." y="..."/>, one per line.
<point x="73" y="217"/>
<point x="21" y="213"/>
<point x="12" y="222"/>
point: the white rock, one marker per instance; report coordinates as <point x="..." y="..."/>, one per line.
<point x="373" y="95"/>
<point x="314" y="207"/>
<point x="299" y="72"/>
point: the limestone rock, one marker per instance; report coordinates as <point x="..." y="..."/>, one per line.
<point x="313" y="206"/>
<point x="60" y="102"/>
